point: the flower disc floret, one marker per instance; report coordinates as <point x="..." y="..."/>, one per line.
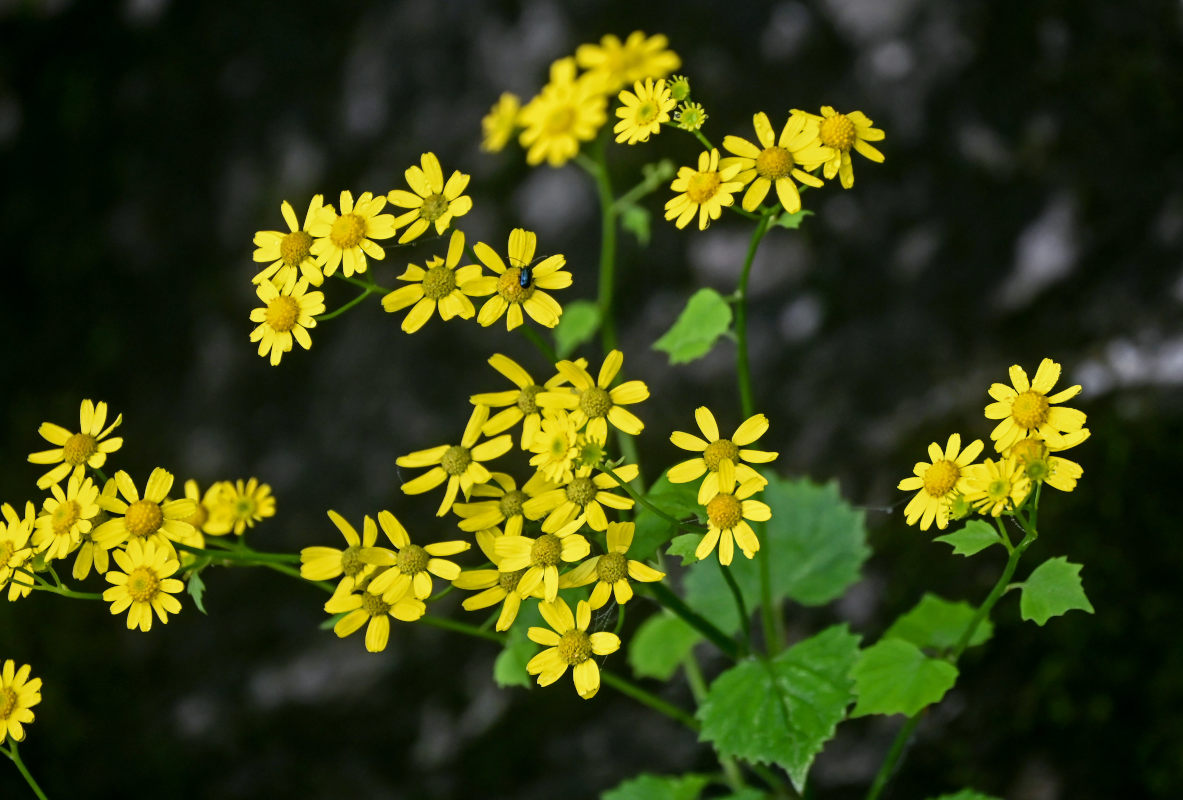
<point x="79" y="448"/>
<point x="938" y="481"/>
<point x="717" y="451"/>
<point x="546" y="550"/>
<point x="412" y="559"/>
<point x="143" y="518"/>
<point x="725" y="511"/>
<point x="456" y="460"/>
<point x="612" y="567"/>
<point x="837" y="132"/>
<point x="941" y="477"/>
<point x="18" y="695"/>
<point x="575" y="647"/>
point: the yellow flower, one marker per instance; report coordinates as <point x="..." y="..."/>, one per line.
<point x="243" y="503"/>
<point x="564" y="113"/>
<point x="776" y="161"/>
<point x="727" y="514"/>
<point x="519" y="405"/>
<point x="554" y="446"/>
<point x="715" y="449"/>
<point x="459" y="464"/>
<point x="642" y="111"/>
<point x="18" y="695"/>
<point x="496" y="586"/>
<point x="540" y="558"/>
<point x="996" y="486"/>
<point x="209" y="516"/>
<point x="520" y="285"/>
<point x="1026" y="409"/>
<point x="499" y="124"/>
<point x="618" y="64"/>
<point x="939" y="480"/>
<point x="290" y="253"/>
<point x="90" y="552"/>
<point x="568" y="644"/>
<point x="77" y="451"/>
<point x="505" y="506"/>
<point x="285" y="316"/>
<point x="1034" y="457"/>
<point x="612" y="570"/>
<point x="346" y="239"/>
<point x="144" y="584"/>
<point x="433" y="201"/>
<point x="842" y="133"/>
<point x="704" y="190"/>
<point x="16" y="555"/>
<point x="414" y="565"/>
<point x="582" y="499"/>
<point x="592" y="403"/>
<point x="362" y="607"/>
<point x="150" y="518"/>
<point x="65" y="517"/>
<point x="355" y="562"/>
<point x="436" y="285"/>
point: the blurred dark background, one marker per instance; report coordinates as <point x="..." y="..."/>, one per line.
<point x="1031" y="205"/>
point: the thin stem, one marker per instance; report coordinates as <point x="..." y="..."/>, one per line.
<point x="536" y="339"/>
<point x="743" y="368"/>
<point x="39" y="584"/>
<point x="241" y="554"/>
<point x="740" y="606"/>
<point x="630" y="689"/>
<point x="773" y="634"/>
<point x="694" y="527"/>
<point x="598" y="169"/>
<point x="666" y="597"/>
<point x="339" y="311"/>
<point x="703" y="140"/>
<point x="893" y="755"/>
<point x="14" y="755"/>
<point x="654" y="178"/>
<point x="462" y="627"/>
<point x="368" y="283"/>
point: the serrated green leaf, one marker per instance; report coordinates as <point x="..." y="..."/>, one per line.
<point x="685" y="546"/>
<point x="1054" y="588"/>
<point x="967" y="794"/>
<point x="196" y="589"/>
<point x="894" y="677"/>
<point x="679" y="500"/>
<point x="816" y="543"/>
<point x="792" y="221"/>
<point x="578" y="324"/>
<point x="660" y="644"/>
<point x="938" y="624"/>
<point x="509" y="669"/>
<point x="635" y="220"/>
<point x="975" y="537"/>
<point x="782" y="711"/>
<point x="659" y="787"/>
<point x="705" y="318"/>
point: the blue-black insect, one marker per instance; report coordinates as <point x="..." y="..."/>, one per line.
<point x="525" y="276"/>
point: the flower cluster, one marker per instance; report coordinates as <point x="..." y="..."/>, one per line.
<point x="1032" y="425"/>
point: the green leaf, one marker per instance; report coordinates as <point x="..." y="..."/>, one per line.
<point x="685" y="546"/>
<point x="938" y="624"/>
<point x="746" y="793"/>
<point x="578" y="324"/>
<point x="967" y="794"/>
<point x="894" y="677"/>
<point x="792" y="221"/>
<point x="635" y="220"/>
<point x="816" y="543"/>
<point x="658" y="787"/>
<point x="782" y="711"/>
<point x="705" y="318"/>
<point x="509" y="669"/>
<point x="1054" y="588"/>
<point x="196" y="589"/>
<point x="659" y="646"/>
<point x="976" y="536"/>
<point x="679" y="500"/>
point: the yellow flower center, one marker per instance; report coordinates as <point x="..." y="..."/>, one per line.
<point x="774" y="163"/>
<point x="282" y="313"/>
<point x="244" y="507"/>
<point x="546" y="551"/>
<point x="941" y="477"/>
<point x="434" y="207"/>
<point x="612" y="567"/>
<point x="439" y="282"/>
<point x="837" y="132"/>
<point x="351" y="562"/>
<point x="143" y="518"/>
<point x="509" y="286"/>
<point x="142" y="584"/>
<point x="374" y="605"/>
<point x="646" y="113"/>
<point x="725" y="511"/>
<point x="64" y="517"/>
<point x="581" y="491"/>
<point x="7" y="551"/>
<point x="526" y="402"/>
<point x="560" y="120"/>
<point x="702" y="186"/>
<point x="575" y="647"/>
<point x="508" y="581"/>
<point x="679" y="88"/>
<point x="348" y="230"/>
<point x="510" y="504"/>
<point x="589" y="452"/>
<point x="690" y="116"/>
<point x="595" y="402"/>
<point x="1029" y="409"/>
<point x="456" y="459"/>
<point x="557" y="446"/>
<point x="295" y="247"/>
<point x="412" y="559"/>
<point x="717" y="451"/>
<point x="998" y="489"/>
<point x="79" y="448"/>
<point x="9" y="704"/>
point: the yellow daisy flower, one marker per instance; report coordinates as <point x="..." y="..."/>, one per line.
<point x="285" y="316"/>
<point x="355" y="562"/>
<point x="344" y="240"/>
<point x="91" y="553"/>
<point x="414" y="565"/>
<point x="150" y="518"/>
<point x="620" y="63"/>
<point x="727" y="515"/>
<point x="436" y="285"/>
<point x="842" y="133"/>
<point x="715" y="449"/>
<point x="1034" y="457"/>
<point x="592" y="403"/>
<point x="582" y="499"/>
<point x="210" y="516"/>
<point x="568" y="644"/>
<point x="1027" y="409"/>
<point x="996" y="486"/>
<point x="65" y="517"/>
<point x="703" y="191"/>
<point x="566" y="112"/>
<point x="243" y="503"/>
<point x="363" y="607"/>
<point x="519" y="286"/>
<point x="776" y="161"/>
<point x="939" y="480"/>
<point x="459" y="464"/>
<point x="554" y="446"/>
<point x="504" y="509"/>
<point x="433" y="201"/>
<point x="144" y="584"/>
<point x="16" y="555"/>
<point x="500" y="124"/>
<point x="517" y="405"/>
<point x="540" y="558"/>
<point x="290" y="253"/>
<point x="612" y="570"/>
<point x="77" y="451"/>
<point x="494" y="585"/>
<point x="18" y="695"/>
<point x="643" y="110"/>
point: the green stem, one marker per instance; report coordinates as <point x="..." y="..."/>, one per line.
<point x="14" y="755"/>
<point x="536" y="339"/>
<point x="655" y="177"/>
<point x="703" y="140"/>
<point x="693" y="527"/>
<point x="741" y="319"/>
<point x="893" y="755"/>
<point x="773" y="631"/>
<point x="244" y="555"/>
<point x="598" y="169"/>
<point x="339" y="311"/>
<point x="39" y="584"/>
<point x="666" y="597"/>
<point x="462" y="627"/>
<point x="740" y="606"/>
<point x="630" y="689"/>
<point x="368" y="283"/>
